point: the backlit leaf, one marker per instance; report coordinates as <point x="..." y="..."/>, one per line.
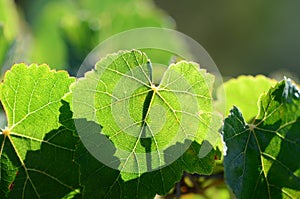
<point x="244" y="92"/>
<point x="36" y="152"/>
<point x="140" y="118"/>
<point x="142" y="135"/>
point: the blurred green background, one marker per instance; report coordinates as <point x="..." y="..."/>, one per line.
<point x="243" y="37"/>
<point x="62" y="33"/>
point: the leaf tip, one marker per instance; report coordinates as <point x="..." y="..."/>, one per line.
<point x="290" y="91"/>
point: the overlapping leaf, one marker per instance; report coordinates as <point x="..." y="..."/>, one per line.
<point x="36" y="153"/>
<point x="262" y="159"/>
<point x="244" y="92"/>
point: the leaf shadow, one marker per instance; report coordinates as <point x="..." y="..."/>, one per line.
<point x="50" y="172"/>
<point x="102" y="180"/>
<point x="282" y="167"/>
<point x="95" y="154"/>
<point x="284" y="171"/>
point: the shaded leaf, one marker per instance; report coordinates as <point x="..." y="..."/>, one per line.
<point x="49" y="172"/>
<point x="32" y="141"/>
<point x="262" y="157"/>
<point x="105" y="182"/>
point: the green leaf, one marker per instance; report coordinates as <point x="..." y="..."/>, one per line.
<point x="31" y="97"/>
<point x="244" y="92"/>
<point x="141" y="119"/>
<point x="127" y="76"/>
<point x="49" y="172"/>
<point x="8" y="170"/>
<point x="105" y="182"/>
<point x="262" y="157"/>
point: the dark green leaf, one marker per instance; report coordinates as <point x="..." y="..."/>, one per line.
<point x="262" y="159"/>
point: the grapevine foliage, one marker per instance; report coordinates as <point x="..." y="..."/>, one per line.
<point x="117" y="107"/>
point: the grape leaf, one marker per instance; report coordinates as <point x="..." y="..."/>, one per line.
<point x="244" y="92"/>
<point x="262" y="157"/>
<point x="114" y="76"/>
<point x="142" y="119"/>
<point x="51" y="169"/>
<point x="105" y="182"/>
<point x="35" y="150"/>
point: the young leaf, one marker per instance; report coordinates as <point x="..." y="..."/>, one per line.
<point x="31" y="97"/>
<point x="141" y="119"/>
<point x="262" y="158"/>
<point x="244" y="93"/>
